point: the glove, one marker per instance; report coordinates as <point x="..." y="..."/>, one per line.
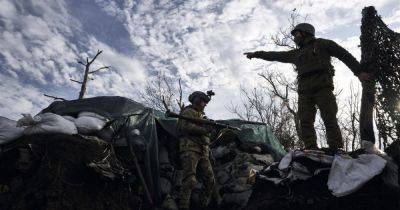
<point x="249" y="55"/>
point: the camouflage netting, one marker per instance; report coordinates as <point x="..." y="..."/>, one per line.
<point x="380" y="48"/>
<point x="65" y="172"/>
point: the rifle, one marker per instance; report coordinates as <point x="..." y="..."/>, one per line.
<point x="168" y="113"/>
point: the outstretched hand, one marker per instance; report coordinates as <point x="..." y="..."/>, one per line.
<point x="364" y="76"/>
<point x="249" y="55"/>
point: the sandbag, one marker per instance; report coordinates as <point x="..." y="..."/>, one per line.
<point x="46" y="123"/>
<point x="89" y="122"/>
<point x="9" y="130"/>
<point x="70" y="118"/>
<point x="347" y="175"/>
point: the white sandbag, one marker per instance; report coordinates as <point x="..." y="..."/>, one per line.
<point x="89" y="122"/>
<point x="47" y="123"/>
<point x="347" y="175"/>
<point x="70" y="118"/>
<point x="9" y="130"/>
<point x="92" y="114"/>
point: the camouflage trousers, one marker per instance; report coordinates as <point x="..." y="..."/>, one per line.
<point x="190" y="161"/>
<point x="326" y="103"/>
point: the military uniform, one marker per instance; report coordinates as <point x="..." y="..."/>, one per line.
<point x="315" y="85"/>
<point x="194" y="153"/>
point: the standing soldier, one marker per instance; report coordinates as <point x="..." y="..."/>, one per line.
<point x="312" y="59"/>
<point x="194" y="151"/>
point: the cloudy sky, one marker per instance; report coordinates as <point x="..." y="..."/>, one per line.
<point x="199" y="41"/>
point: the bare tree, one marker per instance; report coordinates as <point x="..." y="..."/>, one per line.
<point x="284" y="37"/>
<point x="87" y="72"/>
<point x="278" y="80"/>
<point x="163" y="87"/>
<point x="273" y="106"/>
<point x="349" y="119"/>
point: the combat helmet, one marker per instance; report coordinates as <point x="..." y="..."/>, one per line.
<point x="304" y="27"/>
<point x="203" y="96"/>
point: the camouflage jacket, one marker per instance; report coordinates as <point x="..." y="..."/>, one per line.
<point x="193" y="137"/>
<point x="314" y="57"/>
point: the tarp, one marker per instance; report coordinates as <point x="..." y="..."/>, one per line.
<point x="154" y="127"/>
<point x="250" y="132"/>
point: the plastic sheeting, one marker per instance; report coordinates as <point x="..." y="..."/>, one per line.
<point x="348" y="174"/>
<point x="250" y="132"/>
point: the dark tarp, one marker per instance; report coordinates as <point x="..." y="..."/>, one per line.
<point x="250" y="132"/>
<point x="155" y="128"/>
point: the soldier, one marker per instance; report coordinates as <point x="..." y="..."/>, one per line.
<point x="194" y="151"/>
<point x="312" y="59"/>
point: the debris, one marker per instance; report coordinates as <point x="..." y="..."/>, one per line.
<point x="307" y="180"/>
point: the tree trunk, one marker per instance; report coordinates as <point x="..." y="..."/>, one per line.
<point x="85" y="79"/>
<point x="366" y="114"/>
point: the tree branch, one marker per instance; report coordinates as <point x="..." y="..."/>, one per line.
<point x="94" y="58"/>
<point x="75" y="81"/>
<point x="80" y="62"/>
<point x="104" y="67"/>
<point x="55" y="98"/>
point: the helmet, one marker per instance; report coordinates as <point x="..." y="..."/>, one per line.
<point x="198" y="94"/>
<point x="304" y="27"/>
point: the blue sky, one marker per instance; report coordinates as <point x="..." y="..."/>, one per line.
<point x="199" y="41"/>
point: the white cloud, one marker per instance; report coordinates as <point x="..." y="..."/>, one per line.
<point x="394" y="18"/>
<point x="201" y="42"/>
<point x="330" y="14"/>
<point x="19" y="98"/>
<point x="343" y="75"/>
<point x="36" y="45"/>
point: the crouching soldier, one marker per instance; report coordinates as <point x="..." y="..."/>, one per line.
<point x="312" y="59"/>
<point x="194" y="152"/>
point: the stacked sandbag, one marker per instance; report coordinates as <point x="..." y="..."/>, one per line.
<point x="9" y="130"/>
<point x="46" y="123"/>
<point x="89" y="122"/>
<point x="235" y="171"/>
<point x="167" y="180"/>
